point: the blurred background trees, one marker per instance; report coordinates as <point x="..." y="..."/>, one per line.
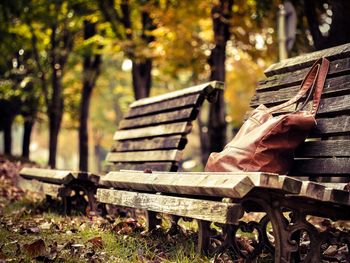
<point x="70" y="68"/>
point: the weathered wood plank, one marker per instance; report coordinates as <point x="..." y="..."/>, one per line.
<point x="292" y="64"/>
<point x="316" y="191"/>
<point x="186" y="114"/>
<point x="334" y="125"/>
<point x="336" y="68"/>
<point x="153" y="166"/>
<point x="327" y="148"/>
<point x="144" y="156"/>
<point x="331" y="105"/>
<point x="47" y="175"/>
<point x="39" y="187"/>
<point x="194" y="100"/>
<point x="218" y="184"/>
<point x="226" y="213"/>
<point x="338" y="85"/>
<point x="234" y="185"/>
<point x="339" y="186"/>
<point x="337" y="196"/>
<point x="205" y="88"/>
<point x="273" y="181"/>
<point x="321" y="167"/>
<point x="336" y="104"/>
<point x="153" y="131"/>
<point x="156" y="143"/>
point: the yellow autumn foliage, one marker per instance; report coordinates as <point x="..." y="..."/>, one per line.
<point x="241" y="80"/>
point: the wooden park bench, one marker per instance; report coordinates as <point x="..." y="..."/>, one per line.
<point x="287" y="201"/>
<point x="151" y="136"/>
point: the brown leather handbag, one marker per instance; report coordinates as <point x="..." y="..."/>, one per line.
<point x="265" y="142"/>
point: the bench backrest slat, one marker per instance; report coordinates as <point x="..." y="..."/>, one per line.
<point x="165" y="106"/>
<point x="144" y="156"/>
<point x="153" y="131"/>
<point x="157" y="143"/>
<point x="292" y="64"/>
<point x="160" y="118"/>
<point x="327" y="152"/>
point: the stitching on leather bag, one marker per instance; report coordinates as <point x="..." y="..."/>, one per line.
<point x="254" y="120"/>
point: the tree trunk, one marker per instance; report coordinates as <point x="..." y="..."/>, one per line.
<point x="56" y="107"/>
<point x="54" y="128"/>
<point x="90" y="72"/>
<point x="141" y="77"/>
<point x="28" y="127"/>
<point x="141" y="67"/>
<point x="8" y="136"/>
<point x="221" y="14"/>
<point x="83" y="128"/>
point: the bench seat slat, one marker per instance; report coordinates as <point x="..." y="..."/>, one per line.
<point x="144" y="156"/>
<point x="153" y="131"/>
<point x="186" y="114"/>
<point x="40" y="187"/>
<point x="47" y="175"/>
<point x="157" y="143"/>
<point x="234" y="185"/>
<point x="293" y="64"/>
<point x="226" y="213"/>
<point x="320" y="192"/>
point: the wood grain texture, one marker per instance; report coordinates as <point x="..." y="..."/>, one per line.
<point x="47" y="175"/>
<point x="334" y="105"/>
<point x="156" y="143"/>
<point x="327" y="148"/>
<point x="154" y="166"/>
<point x="323" y="193"/>
<point x="194" y="100"/>
<point x="39" y="187"/>
<point x="332" y="125"/>
<point x="321" y="167"/>
<point x="211" y="184"/>
<point x="153" y="131"/>
<point x="292" y="64"/>
<point x="333" y="86"/>
<point x="144" y="156"/>
<point x="205" y="88"/>
<point x="186" y="114"/>
<point x="226" y="213"/>
<point x="234" y="185"/>
<point x="336" y="68"/>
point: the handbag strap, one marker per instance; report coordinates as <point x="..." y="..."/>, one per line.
<point x="321" y="79"/>
<point x="314" y="78"/>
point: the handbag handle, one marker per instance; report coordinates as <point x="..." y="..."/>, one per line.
<point x="314" y="78"/>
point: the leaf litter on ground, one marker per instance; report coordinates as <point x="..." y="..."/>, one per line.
<point x="28" y="231"/>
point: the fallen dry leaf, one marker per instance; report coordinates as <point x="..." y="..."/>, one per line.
<point x="35" y="249"/>
<point x="45" y="226"/>
<point x="2" y="255"/>
<point x="96" y="242"/>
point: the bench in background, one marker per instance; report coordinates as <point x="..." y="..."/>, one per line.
<point x="152" y="136"/>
